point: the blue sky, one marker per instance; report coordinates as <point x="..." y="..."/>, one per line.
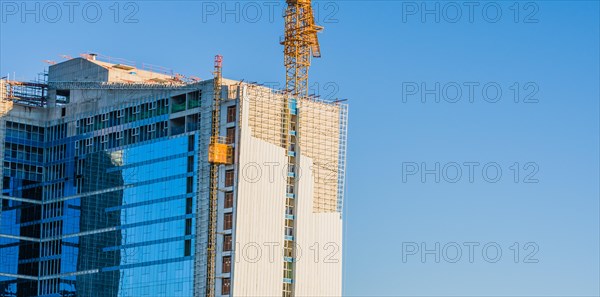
<point x="374" y="54"/>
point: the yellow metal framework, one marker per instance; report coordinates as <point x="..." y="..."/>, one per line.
<point x="219" y="153"/>
<point x="300" y="45"/>
<point x="300" y="42"/>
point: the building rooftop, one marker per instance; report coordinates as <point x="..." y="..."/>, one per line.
<point x="97" y="68"/>
<point x="91" y="71"/>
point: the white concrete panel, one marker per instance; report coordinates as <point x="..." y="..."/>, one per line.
<point x="259" y="218"/>
<point x="319" y="236"/>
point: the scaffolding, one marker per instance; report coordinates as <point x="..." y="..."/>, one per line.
<point x="75" y="85"/>
<point x="27" y="93"/>
<point x="3" y="96"/>
<point x="322" y="141"/>
<point x="322" y="125"/>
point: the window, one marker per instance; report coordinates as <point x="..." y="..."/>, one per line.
<point x="225" y="286"/>
<point x="289" y="227"/>
<point x="153" y="105"/>
<point x="187" y="248"/>
<point x="89" y="142"/>
<point x="90" y="120"/>
<point x="189" y="204"/>
<point x="288" y="247"/>
<point x="190" y="163"/>
<point x="287" y="289"/>
<point x="188" y="226"/>
<point x="190" y="185"/>
<point x="120" y="113"/>
<point x="228" y="199"/>
<point x="191" y="143"/>
<point x="226" y="264"/>
<point x="135" y="131"/>
<point x="104" y="139"/>
<point x="227" y="221"/>
<point x="288" y="271"/>
<point x="136" y="109"/>
<point x="231" y="135"/>
<point x="229" y="178"/>
<point x="120" y="135"/>
<point x="227" y="245"/>
<point x="105" y="117"/>
<point x="152" y="127"/>
<point x="231" y="111"/>
<point x="63" y="96"/>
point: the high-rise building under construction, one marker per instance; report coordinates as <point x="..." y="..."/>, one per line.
<point x="109" y="169"/>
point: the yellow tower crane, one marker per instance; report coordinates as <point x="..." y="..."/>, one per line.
<point x="301" y="44"/>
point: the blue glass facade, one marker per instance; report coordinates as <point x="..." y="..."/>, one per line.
<point x="102" y="204"/>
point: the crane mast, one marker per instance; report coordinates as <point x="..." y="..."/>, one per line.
<point x="301" y="44"/>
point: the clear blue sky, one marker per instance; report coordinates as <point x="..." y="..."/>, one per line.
<point x="369" y="53"/>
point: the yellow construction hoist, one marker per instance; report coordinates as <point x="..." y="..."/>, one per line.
<point x="219" y="153"/>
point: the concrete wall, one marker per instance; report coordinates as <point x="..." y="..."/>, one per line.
<point x="77" y="69"/>
<point x="259" y="220"/>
